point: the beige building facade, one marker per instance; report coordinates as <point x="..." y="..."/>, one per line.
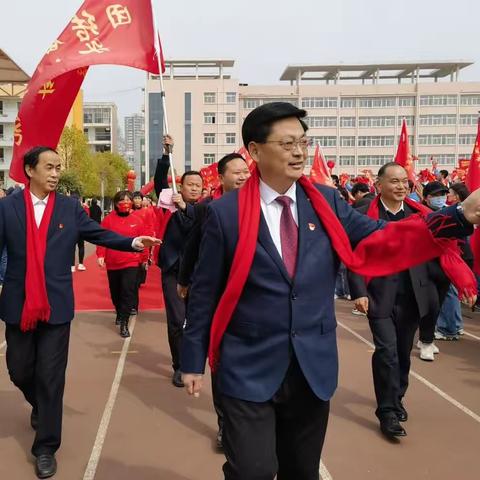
<point x="354" y="111"/>
<point x="100" y="125"/>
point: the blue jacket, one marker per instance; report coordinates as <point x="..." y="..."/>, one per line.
<point x="276" y="317"/>
<point x="69" y="221"/>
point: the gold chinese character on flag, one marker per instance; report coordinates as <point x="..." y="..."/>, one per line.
<point x="54" y="46"/>
<point x="82" y="71"/>
<point x="95" y="46"/>
<point x="83" y="26"/>
<point x="47" y="89"/>
<point x="118" y="15"/>
<point x="17" y="134"/>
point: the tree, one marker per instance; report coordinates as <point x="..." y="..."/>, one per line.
<point x="73" y="148"/>
<point x="70" y="183"/>
<point x="112" y="169"/>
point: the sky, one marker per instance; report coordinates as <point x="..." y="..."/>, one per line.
<point x="262" y="36"/>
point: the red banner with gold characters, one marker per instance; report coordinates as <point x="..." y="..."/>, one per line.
<point x="101" y="32"/>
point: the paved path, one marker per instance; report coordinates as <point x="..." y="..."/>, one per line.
<point x="124" y="420"/>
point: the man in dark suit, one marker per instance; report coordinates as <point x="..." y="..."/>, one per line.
<point x="37" y="339"/>
<point x="395" y="304"/>
<point x="173" y="242"/>
<point x="277" y="364"/>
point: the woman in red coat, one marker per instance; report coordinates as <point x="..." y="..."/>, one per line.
<point x="122" y="267"/>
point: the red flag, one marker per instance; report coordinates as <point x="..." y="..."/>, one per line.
<point x="99" y="33"/>
<point x="250" y="161"/>
<point x="404" y="157"/>
<point x="210" y="176"/>
<point x="472" y="180"/>
<point x="319" y="172"/>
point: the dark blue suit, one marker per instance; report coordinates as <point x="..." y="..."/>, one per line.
<point x="37" y="359"/>
<point x="282" y="330"/>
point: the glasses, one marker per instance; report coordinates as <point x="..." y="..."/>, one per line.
<point x="302" y="143"/>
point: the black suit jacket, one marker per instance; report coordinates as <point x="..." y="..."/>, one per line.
<point x="428" y="281"/>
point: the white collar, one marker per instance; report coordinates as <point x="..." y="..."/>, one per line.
<point x="401" y="209"/>
<point x="36" y="200"/>
<point x="269" y="195"/>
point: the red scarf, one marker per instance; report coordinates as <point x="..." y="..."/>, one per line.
<point x="458" y="272"/>
<point x="396" y="247"/>
<point x="36" y="307"/>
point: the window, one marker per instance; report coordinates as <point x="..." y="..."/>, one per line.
<point x="87" y="117"/>
<point x="1" y="107"/>
<point x="438" y="100"/>
<point x="348" y="102"/>
<point x="2" y="155"/>
<point x="347" y="122"/>
<point x="438" y="120"/>
<point x="374" y="122"/>
<point x="318" y="122"/>
<point x="103" y="135"/>
<point x="250" y="103"/>
<point x="209" y="117"/>
<point x="324" y="141"/>
<point x="406" y="101"/>
<point x="442" y="159"/>
<point x="467" y="139"/>
<point x="209" y="97"/>
<point x="209" y="138"/>
<point x="376" y="102"/>
<point x="1" y="132"/>
<point x="230" y="138"/>
<point x="332" y="158"/>
<point x="208" y="158"/>
<point x="230" y="117"/>
<point x="468" y="119"/>
<point x="231" y="97"/>
<point x="470" y="100"/>
<point x="346" y="160"/>
<point x="409" y="119"/>
<point x="319" y="102"/>
<point x="347" y="141"/>
<point x="436" y="139"/>
<point x="374" y="160"/>
<point x="375" y="141"/>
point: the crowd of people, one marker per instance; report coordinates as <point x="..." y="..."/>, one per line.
<point x="249" y="272"/>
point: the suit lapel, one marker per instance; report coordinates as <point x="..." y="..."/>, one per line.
<point x="19" y="206"/>
<point x="54" y="221"/>
<point x="265" y="239"/>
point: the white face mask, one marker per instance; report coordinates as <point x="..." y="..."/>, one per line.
<point x="438" y="202"/>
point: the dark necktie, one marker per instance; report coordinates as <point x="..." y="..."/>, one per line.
<point x="288" y="235"/>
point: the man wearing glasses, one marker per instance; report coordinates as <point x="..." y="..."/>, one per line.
<point x="261" y="303"/>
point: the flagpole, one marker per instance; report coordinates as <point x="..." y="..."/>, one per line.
<point x="162" y="94"/>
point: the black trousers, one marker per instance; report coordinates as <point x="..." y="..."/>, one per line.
<point x="124" y="290"/>
<point x="282" y="437"/>
<point x="393" y="338"/>
<point x="175" y="310"/>
<point x="36" y="362"/>
<point x="217" y="401"/>
<point x="81" y="251"/>
<point x="427" y="328"/>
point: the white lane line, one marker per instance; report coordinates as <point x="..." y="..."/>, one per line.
<point x="421" y="379"/>
<point x="324" y="473"/>
<point x="107" y="413"/>
<point x="471" y="335"/>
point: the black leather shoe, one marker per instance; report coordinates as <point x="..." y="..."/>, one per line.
<point x="219" y="439"/>
<point x="117" y="321"/>
<point x="390" y="427"/>
<point x="34" y="420"/>
<point x="45" y="466"/>
<point x="177" y="379"/>
<point x="402" y="414"/>
<point x="133" y="311"/>
<point x="124" y="332"/>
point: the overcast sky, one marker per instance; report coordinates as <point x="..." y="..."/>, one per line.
<point x="262" y="36"/>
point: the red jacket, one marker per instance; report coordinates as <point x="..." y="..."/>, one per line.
<point x="130" y="226"/>
<point x="149" y="217"/>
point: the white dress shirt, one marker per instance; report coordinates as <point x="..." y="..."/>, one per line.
<point x="39" y="207"/>
<point x="391" y="211"/>
<point x="272" y="210"/>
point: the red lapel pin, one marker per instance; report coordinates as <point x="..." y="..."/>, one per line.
<point x="60" y="226"/>
<point x="311" y="226"/>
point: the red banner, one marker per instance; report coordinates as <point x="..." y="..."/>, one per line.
<point x="210" y="177"/>
<point x="250" y="161"/>
<point x="403" y="156"/>
<point x="319" y="172"/>
<point x="101" y="32"/>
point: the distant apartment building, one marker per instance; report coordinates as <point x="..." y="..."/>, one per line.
<point x="100" y="125"/>
<point x="354" y="111"/>
<point x="134" y="130"/>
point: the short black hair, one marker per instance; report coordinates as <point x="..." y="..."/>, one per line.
<point x="30" y="159"/>
<point x="223" y="162"/>
<point x="461" y="190"/>
<point x="444" y="173"/>
<point x="383" y="169"/>
<point x="258" y="123"/>
<point x="360" y="187"/>
<point x="119" y="196"/>
<point x="190" y="174"/>
<point x="138" y="194"/>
